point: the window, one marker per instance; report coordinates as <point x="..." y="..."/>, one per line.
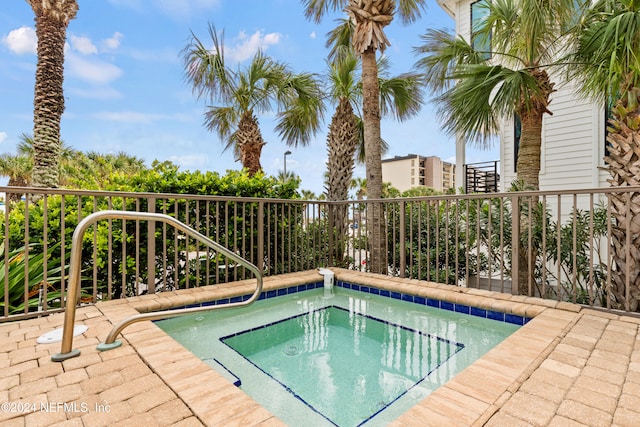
<point x="480" y="42"/>
<point x="517" y="132"/>
<point x="608" y="114"/>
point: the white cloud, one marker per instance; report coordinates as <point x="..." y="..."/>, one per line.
<point x="93" y="71"/>
<point x="84" y="45"/>
<point x="3" y="137"/>
<point x="312" y="35"/>
<point x="22" y="40"/>
<point x="247" y="46"/>
<point x="113" y="42"/>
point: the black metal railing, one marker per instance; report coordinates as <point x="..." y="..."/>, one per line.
<point x="482" y="177"/>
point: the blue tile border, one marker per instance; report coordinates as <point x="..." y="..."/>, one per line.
<point x="429" y="302"/>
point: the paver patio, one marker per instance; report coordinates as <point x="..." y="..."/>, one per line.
<point x="569" y="366"/>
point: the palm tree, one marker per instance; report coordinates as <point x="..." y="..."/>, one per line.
<point x="370" y="18"/>
<point x="264" y="86"/>
<point x="606" y="61"/>
<point x="52" y="18"/>
<point x="400" y="96"/>
<point x="95" y="170"/>
<point x="478" y="87"/>
<point x="18" y="169"/>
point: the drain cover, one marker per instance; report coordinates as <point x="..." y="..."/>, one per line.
<point x="56" y="334"/>
<point x="292" y="350"/>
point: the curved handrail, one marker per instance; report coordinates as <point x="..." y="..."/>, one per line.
<point x="66" y="351"/>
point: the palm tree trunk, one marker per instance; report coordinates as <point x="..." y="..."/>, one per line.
<point x="249" y="143"/>
<point x="528" y="169"/>
<point x="342" y="141"/>
<point x="52" y="19"/>
<point x="622" y="161"/>
<point x="373" y="161"/>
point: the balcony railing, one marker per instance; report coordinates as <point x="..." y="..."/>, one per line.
<point x="557" y="242"/>
<point x="482" y="177"/>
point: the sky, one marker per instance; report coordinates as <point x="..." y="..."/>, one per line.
<point x="125" y="87"/>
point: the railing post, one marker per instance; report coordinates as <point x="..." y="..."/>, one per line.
<point x="403" y="237"/>
<point x="331" y="208"/>
<point x="515" y="243"/>
<point x="260" y="261"/>
<point x="151" y="247"/>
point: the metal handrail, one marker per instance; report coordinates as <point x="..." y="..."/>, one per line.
<point x="66" y="351"/>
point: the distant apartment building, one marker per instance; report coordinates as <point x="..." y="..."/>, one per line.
<point x="411" y="171"/>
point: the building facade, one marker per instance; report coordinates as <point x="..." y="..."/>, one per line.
<point x="411" y="171"/>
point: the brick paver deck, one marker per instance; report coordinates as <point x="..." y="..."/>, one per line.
<point x="569" y="366"/>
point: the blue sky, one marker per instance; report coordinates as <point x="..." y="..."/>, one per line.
<point x="125" y="88"/>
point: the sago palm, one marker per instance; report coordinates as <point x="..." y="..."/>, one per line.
<point x="52" y="19"/>
<point x="370" y="18"/>
<point x="264" y="86"/>
<point x="606" y="62"/>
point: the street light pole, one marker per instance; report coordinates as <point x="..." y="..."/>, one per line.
<point x="286" y="153"/>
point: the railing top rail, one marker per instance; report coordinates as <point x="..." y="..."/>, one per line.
<point x="141" y="195"/>
<point x="488" y="162"/>
<point x="507" y="194"/>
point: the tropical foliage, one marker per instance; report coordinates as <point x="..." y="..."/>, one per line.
<point x="119" y="250"/>
<point x="264" y="86"/>
<point x="605" y="61"/>
<point x="33" y="279"/>
<point x="501" y="73"/>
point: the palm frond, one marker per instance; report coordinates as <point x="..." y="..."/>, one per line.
<point x="440" y="54"/>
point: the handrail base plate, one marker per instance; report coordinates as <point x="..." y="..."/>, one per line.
<point x="104" y="346"/>
<point x="61" y="357"/>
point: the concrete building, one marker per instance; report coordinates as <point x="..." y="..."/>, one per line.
<point x="411" y="171"/>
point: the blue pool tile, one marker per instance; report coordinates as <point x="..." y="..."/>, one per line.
<point x="480" y="312"/>
<point x="495" y="315"/>
<point x="236" y="299"/>
<point x="319" y="285"/>
<point x="293" y="290"/>
<point x="396" y="295"/>
<point x="385" y="293"/>
<point x="408" y="298"/>
<point x="433" y="302"/>
<point x="346" y="285"/>
<point x="446" y="305"/>
<point x="222" y="301"/>
<point x="420" y="300"/>
<point x="355" y="287"/>
<point x="514" y="318"/>
<point x="461" y="308"/>
<point x="262" y="296"/>
<point x="271" y="294"/>
<point x="364" y="289"/>
<point x="374" y="291"/>
<point x="193" y="305"/>
<point x="282" y="292"/>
